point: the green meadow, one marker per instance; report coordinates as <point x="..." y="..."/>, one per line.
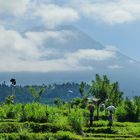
<point x="35" y="121"/>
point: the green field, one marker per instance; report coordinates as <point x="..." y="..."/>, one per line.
<point x="38" y="122"/>
<point x="44" y="131"/>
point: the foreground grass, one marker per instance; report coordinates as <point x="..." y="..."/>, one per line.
<point x="40" y="122"/>
<point x="47" y="131"/>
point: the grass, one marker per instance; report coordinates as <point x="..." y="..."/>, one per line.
<point x="36" y="121"/>
<point x="100" y="130"/>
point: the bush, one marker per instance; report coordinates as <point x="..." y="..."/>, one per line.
<point x="127" y="111"/>
<point x="2" y="113"/>
<point x="9" y="127"/>
<point x="61" y="135"/>
<point x="76" y="120"/>
<point x="57" y="116"/>
<point x="33" y="112"/>
<point x="45" y="127"/>
<point x="40" y="136"/>
<point x="121" y="114"/>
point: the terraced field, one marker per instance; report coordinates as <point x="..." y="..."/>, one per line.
<point x="119" y="131"/>
<point x="11" y="130"/>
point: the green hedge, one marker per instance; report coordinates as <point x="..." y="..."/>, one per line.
<point x="40" y="136"/>
<point x="7" y="127"/>
<point x="14" y="127"/>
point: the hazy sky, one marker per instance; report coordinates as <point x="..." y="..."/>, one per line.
<point x="111" y="22"/>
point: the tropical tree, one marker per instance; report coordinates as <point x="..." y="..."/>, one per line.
<point x="84" y="89"/>
<point x="105" y="92"/>
<point x="36" y="94"/>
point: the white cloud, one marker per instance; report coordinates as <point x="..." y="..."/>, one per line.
<point x="131" y="61"/>
<point x="31" y="45"/>
<point x="13" y="43"/>
<point x="24" y="53"/>
<point x="115" y="67"/>
<point x="112" y="12"/>
<point x="53" y="15"/>
<point x="15" y="7"/>
<point x="45" y="11"/>
<point x="111" y="48"/>
<point x="93" y="54"/>
<point x="41" y="37"/>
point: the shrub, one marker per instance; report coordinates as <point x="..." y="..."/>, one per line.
<point x="9" y="127"/>
<point x="61" y="135"/>
<point x="33" y="112"/>
<point x="121" y="114"/>
<point x="40" y="136"/>
<point x="2" y="113"/>
<point x="127" y="111"/>
<point x="76" y="120"/>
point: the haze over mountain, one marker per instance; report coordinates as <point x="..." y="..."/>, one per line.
<point x="68" y="55"/>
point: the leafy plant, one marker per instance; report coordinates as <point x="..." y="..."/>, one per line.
<point x="36" y="94"/>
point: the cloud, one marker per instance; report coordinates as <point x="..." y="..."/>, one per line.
<point x="14" y="7"/>
<point x="24" y="52"/>
<point x="47" y="12"/>
<point x="54" y="15"/>
<point x="44" y="36"/>
<point x="13" y="43"/>
<point x="111" y="12"/>
<point x="31" y="45"/>
<point x="112" y="48"/>
<point x="93" y="54"/>
<point x="32" y="52"/>
<point x="132" y="61"/>
<point x="115" y="67"/>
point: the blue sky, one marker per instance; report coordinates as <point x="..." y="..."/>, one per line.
<point x="112" y="22"/>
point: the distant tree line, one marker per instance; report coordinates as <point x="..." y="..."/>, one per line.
<point x="101" y="90"/>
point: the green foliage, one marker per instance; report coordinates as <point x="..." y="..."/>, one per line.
<point x="121" y="113"/>
<point x="11" y="111"/>
<point x="39" y="136"/>
<point x="82" y="88"/>
<point x="76" y="120"/>
<point x="61" y="135"/>
<point x="2" y="113"/>
<point x="58" y="102"/>
<point x="76" y="102"/>
<point x="129" y="110"/>
<point x="105" y="91"/>
<point x="36" y="94"/>
<point x="57" y="116"/>
<point x="9" y="99"/>
<point x="62" y="124"/>
<point x="9" y="127"/>
<point x="33" y="112"/>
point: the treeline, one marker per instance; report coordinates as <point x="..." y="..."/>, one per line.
<point x="65" y="91"/>
<point x="101" y="91"/>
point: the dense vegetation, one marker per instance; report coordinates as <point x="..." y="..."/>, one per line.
<point x="65" y="91"/>
<point x="69" y="119"/>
